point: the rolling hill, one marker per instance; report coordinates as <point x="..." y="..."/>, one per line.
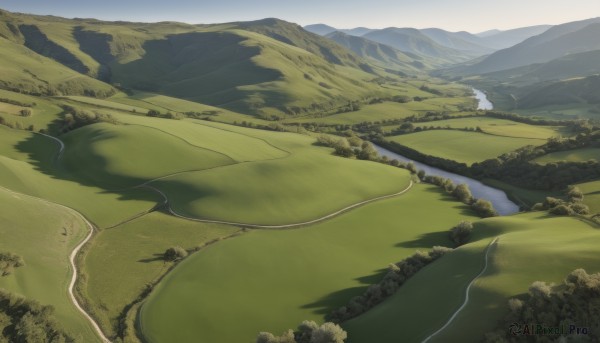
<point x="463" y="41"/>
<point x="267" y="67"/>
<point x="505" y="39"/>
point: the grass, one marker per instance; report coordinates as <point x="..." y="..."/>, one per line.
<point x="461" y="146"/>
<point x="44" y="236"/>
<point x="499" y="127"/>
<point x="578" y="155"/>
<point x="26" y="166"/>
<point x="44" y="112"/>
<point x="523" y="196"/>
<point x="367" y="113"/>
<point x="591" y="192"/>
<point x="96" y="153"/>
<point x="121" y="262"/>
<point x="531" y="247"/>
<point x="272" y="280"/>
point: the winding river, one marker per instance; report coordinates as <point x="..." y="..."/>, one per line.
<point x="501" y="202"/>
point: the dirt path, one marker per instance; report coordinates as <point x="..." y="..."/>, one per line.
<point x="487" y="251"/>
<point x="286" y="226"/>
<point x="72" y="258"/>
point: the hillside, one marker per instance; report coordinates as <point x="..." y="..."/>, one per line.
<point x="505" y="39"/>
<point x="379" y="54"/>
<point x="463" y="41"/>
<point x="556" y="42"/>
<point x="414" y="41"/>
<point x="267" y="67"/>
<point x="583" y="90"/>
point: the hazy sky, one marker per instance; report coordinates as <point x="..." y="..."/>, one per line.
<point x="469" y="15"/>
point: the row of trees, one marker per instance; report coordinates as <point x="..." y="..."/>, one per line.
<point x="397" y="275"/>
<point x="484" y="208"/>
<point x="573" y="205"/>
<point x="75" y="118"/>
<point x="8" y="262"/>
<point x="24" y="320"/>
<point x="17" y="103"/>
<point x="572" y="306"/>
<point x="307" y="332"/>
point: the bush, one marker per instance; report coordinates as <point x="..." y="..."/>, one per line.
<point x="307" y="332"/>
<point x="175" y="254"/>
<point x="484" y="208"/>
<point x="461" y="233"/>
<point x="8" y="262"/>
<point x="463" y="193"/>
<point x="561" y="210"/>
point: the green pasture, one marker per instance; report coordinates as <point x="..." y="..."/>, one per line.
<point x="499" y="127"/>
<point x="578" y="155"/>
<point x="531" y="247"/>
<point x="462" y="146"/>
<point x="122" y="261"/>
<point x="591" y="192"/>
<point x="272" y="280"/>
<point x="43" y="235"/>
<point x="128" y="155"/>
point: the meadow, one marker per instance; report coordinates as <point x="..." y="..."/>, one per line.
<point x="225" y="285"/>
<point x="578" y="155"/>
<point x="591" y="192"/>
<point x="462" y="146"/>
<point x="44" y="235"/>
<point x="531" y="247"/>
<point x="499" y="127"/>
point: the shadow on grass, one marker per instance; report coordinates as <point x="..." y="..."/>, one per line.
<point x="427" y="240"/>
<point x="156" y="258"/>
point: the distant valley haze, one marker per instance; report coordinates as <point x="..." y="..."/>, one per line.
<point x="452" y="15"/>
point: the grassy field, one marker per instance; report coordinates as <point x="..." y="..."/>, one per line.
<point x="44" y="236"/>
<point x="367" y="113"/>
<point x="26" y="166"/>
<point x="267" y="280"/>
<point x="44" y="111"/>
<point x="578" y="155"/>
<point x="591" y="191"/>
<point x="499" y="127"/>
<point x="121" y="262"/>
<point x="96" y="153"/>
<point x="461" y="146"/>
<point x="531" y="247"/>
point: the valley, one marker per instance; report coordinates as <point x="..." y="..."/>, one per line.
<point x="236" y="181"/>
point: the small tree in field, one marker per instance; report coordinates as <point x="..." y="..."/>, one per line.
<point x="461" y="233"/>
<point x="175" y="254"/>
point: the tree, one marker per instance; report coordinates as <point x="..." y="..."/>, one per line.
<point x="561" y="210"/>
<point x="367" y="152"/>
<point x="461" y="233"/>
<point x="463" y="193"/>
<point x="411" y="167"/>
<point x="25" y="112"/>
<point x="575" y="194"/>
<point x="175" y="254"/>
<point x="305" y="331"/>
<point x="484" y="208"/>
<point x="329" y="333"/>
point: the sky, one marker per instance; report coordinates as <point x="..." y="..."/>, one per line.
<point x="454" y="15"/>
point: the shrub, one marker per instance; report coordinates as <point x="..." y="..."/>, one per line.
<point x="175" y="254"/>
<point x="461" y="233"/>
<point x="484" y="208"/>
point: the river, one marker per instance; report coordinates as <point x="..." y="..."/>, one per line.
<point x="484" y="103"/>
<point x="501" y="202"/>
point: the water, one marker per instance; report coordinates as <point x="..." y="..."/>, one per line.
<point x="484" y="103"/>
<point x="497" y="197"/>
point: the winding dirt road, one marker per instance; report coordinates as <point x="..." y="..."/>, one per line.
<point x="464" y="304"/>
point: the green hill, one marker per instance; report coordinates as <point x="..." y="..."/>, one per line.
<point x="380" y="54"/>
<point x="414" y="41"/>
<point x="463" y="41"/>
<point x="582" y="90"/>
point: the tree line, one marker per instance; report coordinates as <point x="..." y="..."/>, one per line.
<point x="307" y="332"/>
<point x="25" y="320"/>
<point x="398" y="273"/>
<point x="571" y="306"/>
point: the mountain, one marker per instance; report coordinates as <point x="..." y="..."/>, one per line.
<point x="379" y="54"/>
<point x="462" y="41"/>
<point x="556" y="42"/>
<point x="497" y="39"/>
<point x="267" y="67"/>
<point x="582" y="90"/>
<point x="567" y="67"/>
<point x="324" y="30"/>
<point x="320" y="29"/>
<point x="357" y="31"/>
<point x="488" y="33"/>
<point x="413" y="41"/>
